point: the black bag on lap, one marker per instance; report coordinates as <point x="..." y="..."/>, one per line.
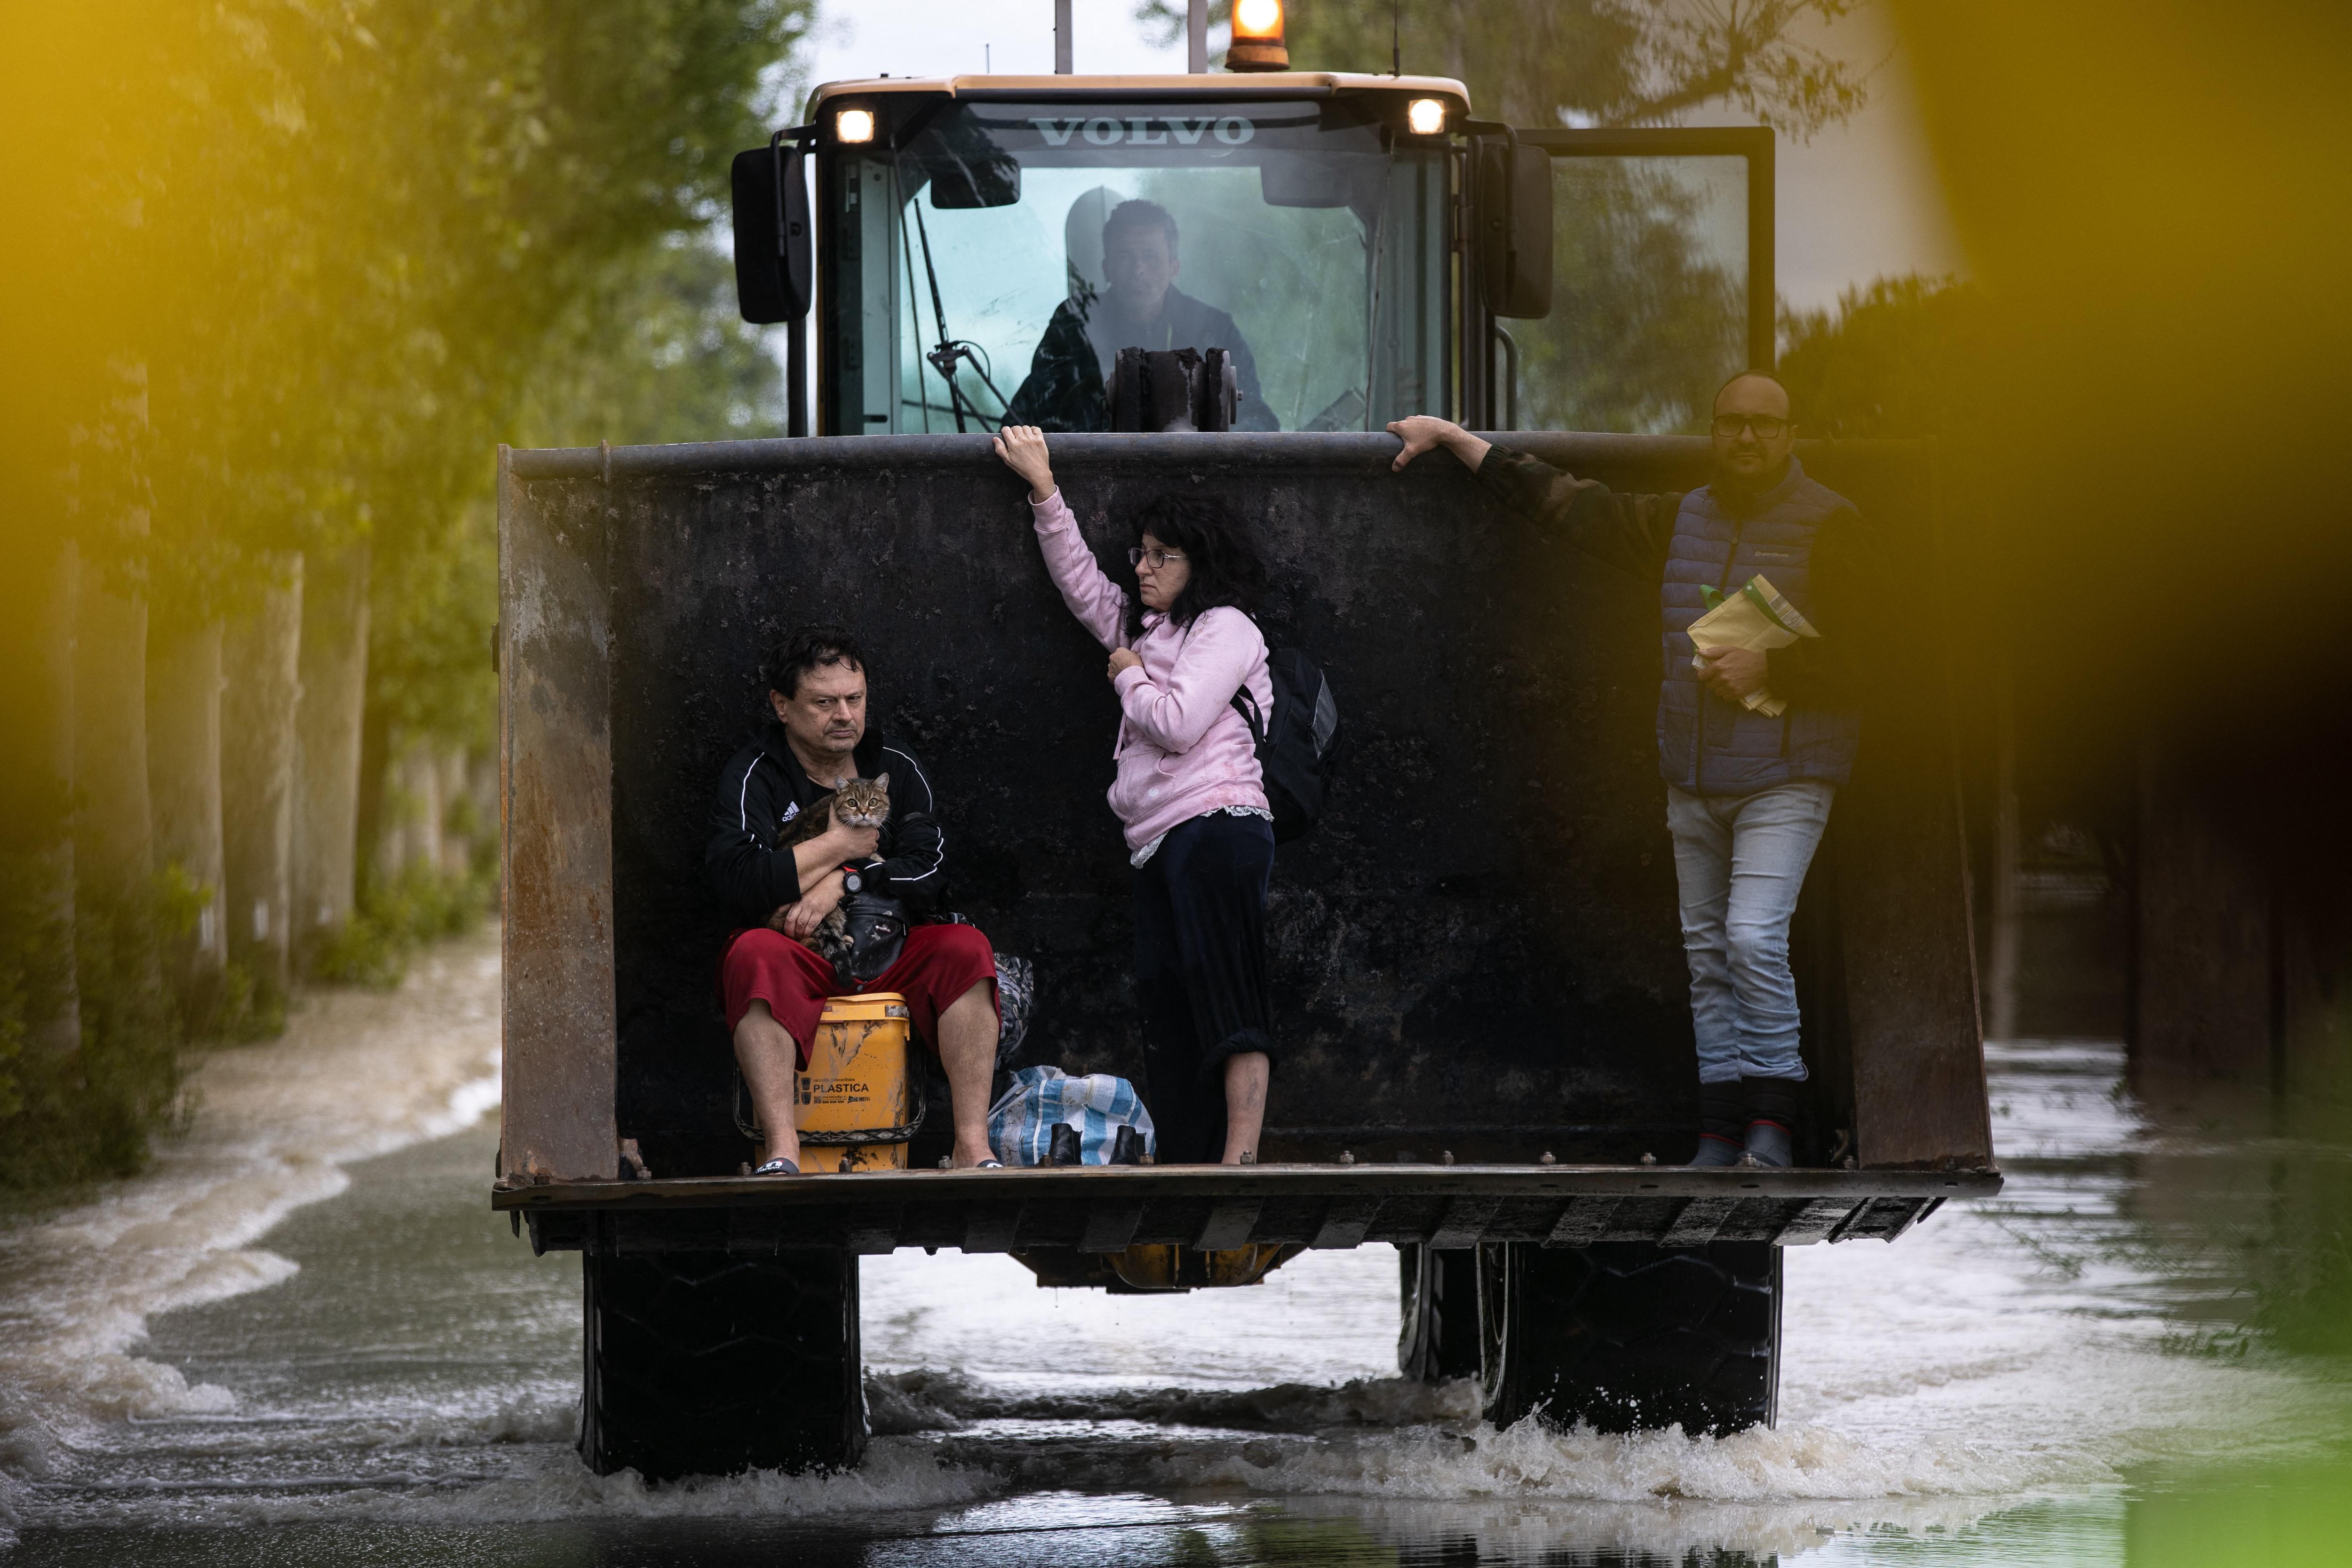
<point x="877" y="926"/>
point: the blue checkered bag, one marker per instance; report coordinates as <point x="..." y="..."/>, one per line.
<point x="1021" y="1123"/>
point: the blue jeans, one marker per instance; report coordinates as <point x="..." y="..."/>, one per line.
<point x="1739" y="861"/>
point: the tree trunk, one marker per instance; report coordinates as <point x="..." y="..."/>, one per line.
<point x="37" y="717"/>
<point x="183" y="777"/>
<point x="334" y="699"/>
<point x="482" y="791"/>
<point x="456" y="840"/>
<point x="260" y="708"/>
<point x="409" y="832"/>
<point x="470" y="810"/>
<point x="114" y="844"/>
<point x="375" y="815"/>
<point x="425" y="780"/>
<point x="2204" y="993"/>
<point x="392" y="810"/>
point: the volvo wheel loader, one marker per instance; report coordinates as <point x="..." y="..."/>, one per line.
<point x="1483" y="999"/>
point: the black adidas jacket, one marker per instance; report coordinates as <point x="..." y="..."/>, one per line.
<point x="764" y="787"/>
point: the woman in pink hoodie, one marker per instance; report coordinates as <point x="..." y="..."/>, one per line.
<point x="1188" y="794"/>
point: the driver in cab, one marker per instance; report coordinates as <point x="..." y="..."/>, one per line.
<point x="1140" y="309"/>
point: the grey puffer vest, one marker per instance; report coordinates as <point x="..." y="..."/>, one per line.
<point x="1711" y="746"/>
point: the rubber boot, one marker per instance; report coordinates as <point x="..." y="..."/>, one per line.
<point x="1722" y="1119"/>
<point x="1772" y="1120"/>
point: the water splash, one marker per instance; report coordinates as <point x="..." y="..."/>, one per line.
<point x="356" y="1074"/>
<point x="2007" y="1352"/>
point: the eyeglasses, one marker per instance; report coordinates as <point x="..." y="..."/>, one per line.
<point x="1766" y="426"/>
<point x="1158" y="557"/>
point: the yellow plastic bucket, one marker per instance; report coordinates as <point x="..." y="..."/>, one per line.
<point x="856" y="1102"/>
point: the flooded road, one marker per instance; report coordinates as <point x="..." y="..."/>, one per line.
<point x="304" y="1338"/>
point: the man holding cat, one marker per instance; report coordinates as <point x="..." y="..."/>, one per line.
<point x="775" y="985"/>
<point x="1748" y="793"/>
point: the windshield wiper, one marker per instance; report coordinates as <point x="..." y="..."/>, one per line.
<point x="944" y="357"/>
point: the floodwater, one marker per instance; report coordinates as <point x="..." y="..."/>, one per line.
<point x="304" y="1338"/>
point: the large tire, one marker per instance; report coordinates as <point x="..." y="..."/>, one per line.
<point x="701" y="1364"/>
<point x="1630" y="1336"/>
<point x="1439" y="1338"/>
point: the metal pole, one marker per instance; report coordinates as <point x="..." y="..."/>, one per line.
<point x="1763" y="297"/>
<point x="1196" y="37"/>
<point x="796" y="377"/>
<point x="1062" y="38"/>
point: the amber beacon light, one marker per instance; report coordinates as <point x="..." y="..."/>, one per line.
<point x="1257" y="42"/>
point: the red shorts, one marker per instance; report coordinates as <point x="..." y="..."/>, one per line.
<point x="939" y="964"/>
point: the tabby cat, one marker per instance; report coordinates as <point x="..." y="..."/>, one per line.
<point x="858" y="803"/>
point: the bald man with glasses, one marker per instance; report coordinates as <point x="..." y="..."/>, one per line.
<point x="1748" y="793"/>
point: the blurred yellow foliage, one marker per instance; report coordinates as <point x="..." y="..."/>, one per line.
<point x="2155" y="198"/>
<point x="280" y="275"/>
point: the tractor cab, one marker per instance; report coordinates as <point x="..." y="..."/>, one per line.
<point x="1370" y="249"/>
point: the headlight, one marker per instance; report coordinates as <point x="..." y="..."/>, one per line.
<point x="1425" y="116"/>
<point x="854" y="125"/>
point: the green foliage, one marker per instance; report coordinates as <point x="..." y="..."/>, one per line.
<point x="247" y="1008"/>
<point x="1901" y="357"/>
<point x="396" y="916"/>
<point x="429" y="632"/>
<point x="657" y="352"/>
<point x="230" y="1005"/>
<point x="1913" y="356"/>
<point x="36" y="976"/>
<point x="663" y="356"/>
<point x="287" y="274"/>
<point x="1581" y="62"/>
<point x="83" y="1113"/>
<point x="331" y="252"/>
<point x="1649" y="313"/>
<point x="179" y="903"/>
<point x="1646" y="320"/>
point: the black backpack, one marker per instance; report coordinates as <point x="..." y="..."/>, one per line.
<point x="1295" y="749"/>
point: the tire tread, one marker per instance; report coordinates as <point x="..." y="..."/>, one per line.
<point x="1630" y="1336"/>
<point x="704" y="1363"/>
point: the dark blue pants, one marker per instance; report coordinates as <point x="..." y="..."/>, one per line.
<point x="1199" y="975"/>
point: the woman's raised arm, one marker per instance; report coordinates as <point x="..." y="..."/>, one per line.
<point x="1093" y="597"/>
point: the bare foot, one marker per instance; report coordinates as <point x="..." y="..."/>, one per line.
<point x="971" y="1158"/>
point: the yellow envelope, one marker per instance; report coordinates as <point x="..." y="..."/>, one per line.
<point x="1758" y="617"/>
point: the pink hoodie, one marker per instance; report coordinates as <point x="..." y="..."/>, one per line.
<point x="1182" y="751"/>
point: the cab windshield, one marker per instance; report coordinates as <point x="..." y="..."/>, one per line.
<point x="994" y="266"/>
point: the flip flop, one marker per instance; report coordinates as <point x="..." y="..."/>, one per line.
<point x="779" y="1166"/>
